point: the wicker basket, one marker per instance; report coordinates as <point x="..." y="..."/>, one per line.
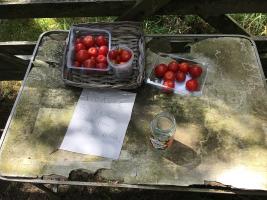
<point x="125" y="33"/>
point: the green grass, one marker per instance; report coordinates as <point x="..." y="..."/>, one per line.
<point x="30" y="29"/>
<point x="253" y="23"/>
<point x="9" y="90"/>
<point x="177" y="25"/>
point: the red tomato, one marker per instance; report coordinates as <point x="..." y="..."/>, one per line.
<point x="160" y="70"/>
<point x="101" y="59"/>
<point x="82" y="55"/>
<point x="112" y="54"/>
<point x="184" y="67"/>
<point x="78" y="40"/>
<point x="93" y="58"/>
<point x="173" y="66"/>
<point x="180" y="76"/>
<point x="119" y="50"/>
<point x="169" y="75"/>
<point x="101" y="40"/>
<point x="191" y="85"/>
<point x="88" y="41"/>
<point x="118" y="59"/>
<point x="89" y="63"/>
<point x="103" y="50"/>
<point x="195" y="71"/>
<point x="79" y="46"/>
<point x="169" y="84"/>
<point x="77" y="64"/>
<point x="101" y="65"/>
<point x="125" y="55"/>
<point x="93" y="51"/>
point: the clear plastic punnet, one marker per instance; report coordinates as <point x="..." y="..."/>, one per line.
<point x="77" y="32"/>
<point x="180" y="87"/>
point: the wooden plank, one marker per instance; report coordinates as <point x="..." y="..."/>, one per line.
<point x="225" y="24"/>
<point x="263" y="58"/>
<point x="4" y="113"/>
<point x="5" y="109"/>
<point x="12" y="68"/>
<point x="1" y="132"/>
<point x="17" y="47"/>
<point x="12" y="76"/>
<point x="74" y="8"/>
<point x="215" y="7"/>
<point x="63" y="8"/>
<point x="142" y="9"/>
<point x="11" y="62"/>
<point x="261" y="43"/>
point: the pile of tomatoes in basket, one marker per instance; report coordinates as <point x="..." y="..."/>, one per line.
<point x="119" y="56"/>
<point x="175" y="71"/>
<point x="91" y="52"/>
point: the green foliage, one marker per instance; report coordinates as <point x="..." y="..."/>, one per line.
<point x="9" y="90"/>
<point x="30" y="29"/>
<point x="190" y="24"/>
<point x="18" y="30"/>
<point x="254" y="23"/>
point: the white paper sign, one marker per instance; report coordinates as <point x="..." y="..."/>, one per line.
<point x="99" y="123"/>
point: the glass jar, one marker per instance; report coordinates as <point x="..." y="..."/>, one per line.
<point x="163" y="127"/>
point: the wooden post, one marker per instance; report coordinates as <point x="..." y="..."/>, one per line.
<point x="225" y="24"/>
<point x="142" y="9"/>
<point x="11" y="67"/>
<point x="17" y="47"/>
<point x="62" y="8"/>
<point x="212" y="7"/>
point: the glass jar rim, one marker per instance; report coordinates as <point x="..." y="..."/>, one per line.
<point x="165" y="115"/>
